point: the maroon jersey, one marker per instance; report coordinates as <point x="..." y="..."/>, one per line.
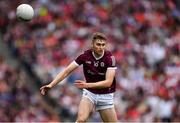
<point x="95" y="69"/>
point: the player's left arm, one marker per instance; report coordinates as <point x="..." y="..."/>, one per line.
<point x="110" y="74"/>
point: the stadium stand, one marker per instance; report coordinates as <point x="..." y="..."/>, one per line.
<point x="143" y="35"/>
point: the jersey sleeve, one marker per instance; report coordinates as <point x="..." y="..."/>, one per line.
<point x="111" y="62"/>
<point x="80" y="59"/>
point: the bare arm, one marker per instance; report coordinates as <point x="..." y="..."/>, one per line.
<point x="101" y="84"/>
<point x="62" y="75"/>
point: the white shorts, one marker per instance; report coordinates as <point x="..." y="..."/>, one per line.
<point x="101" y="101"/>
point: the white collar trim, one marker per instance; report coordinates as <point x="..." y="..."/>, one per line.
<point x="97" y="58"/>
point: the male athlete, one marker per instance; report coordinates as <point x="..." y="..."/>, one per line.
<point x="98" y="90"/>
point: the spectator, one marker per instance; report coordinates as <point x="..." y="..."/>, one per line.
<point x="144" y="37"/>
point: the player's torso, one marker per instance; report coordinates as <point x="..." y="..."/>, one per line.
<point x="95" y="69"/>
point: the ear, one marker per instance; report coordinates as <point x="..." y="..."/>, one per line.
<point x="92" y="44"/>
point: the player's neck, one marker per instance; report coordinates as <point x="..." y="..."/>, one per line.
<point x="97" y="56"/>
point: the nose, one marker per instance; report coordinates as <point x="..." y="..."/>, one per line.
<point x="101" y="46"/>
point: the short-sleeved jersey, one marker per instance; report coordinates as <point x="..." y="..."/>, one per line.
<point x="95" y="69"/>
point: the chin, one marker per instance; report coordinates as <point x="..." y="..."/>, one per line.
<point x="100" y="53"/>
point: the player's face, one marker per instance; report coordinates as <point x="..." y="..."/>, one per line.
<point x="99" y="46"/>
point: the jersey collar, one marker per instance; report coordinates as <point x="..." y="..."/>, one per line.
<point x="97" y="58"/>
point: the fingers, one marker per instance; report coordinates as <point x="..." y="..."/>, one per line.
<point x="78" y="81"/>
<point x="77" y="84"/>
<point x="43" y="90"/>
<point x="80" y="84"/>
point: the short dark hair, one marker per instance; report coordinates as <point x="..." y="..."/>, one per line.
<point x="99" y="35"/>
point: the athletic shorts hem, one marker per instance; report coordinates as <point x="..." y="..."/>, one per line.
<point x="88" y="98"/>
<point x="104" y="107"/>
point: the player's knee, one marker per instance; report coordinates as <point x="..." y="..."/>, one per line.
<point x="81" y="118"/>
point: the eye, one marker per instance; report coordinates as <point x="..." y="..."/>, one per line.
<point x="98" y="44"/>
<point x="103" y="44"/>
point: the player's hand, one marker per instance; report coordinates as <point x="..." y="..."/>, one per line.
<point x="44" y="89"/>
<point x="80" y="84"/>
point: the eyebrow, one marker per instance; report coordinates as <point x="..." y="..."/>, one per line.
<point x="100" y="40"/>
<point x="101" y="43"/>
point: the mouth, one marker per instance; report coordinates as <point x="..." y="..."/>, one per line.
<point x="100" y="51"/>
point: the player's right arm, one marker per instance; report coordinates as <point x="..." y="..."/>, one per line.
<point x="62" y="75"/>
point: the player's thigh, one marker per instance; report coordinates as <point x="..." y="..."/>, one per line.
<point x="85" y="108"/>
<point x="108" y="115"/>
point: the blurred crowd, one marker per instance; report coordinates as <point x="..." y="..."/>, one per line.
<point x="18" y="101"/>
<point x="143" y="35"/>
